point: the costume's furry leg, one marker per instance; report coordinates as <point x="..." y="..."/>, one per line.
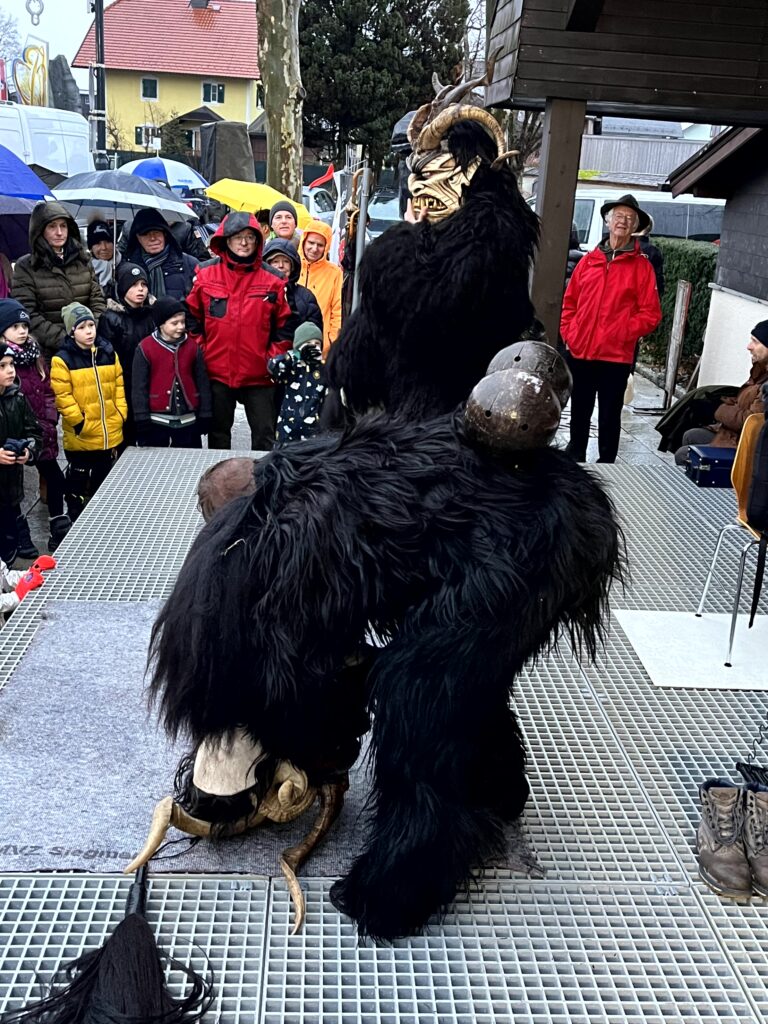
<point x="443" y="783"/>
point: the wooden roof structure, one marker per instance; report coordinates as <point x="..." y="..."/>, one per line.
<point x="670" y="59"/>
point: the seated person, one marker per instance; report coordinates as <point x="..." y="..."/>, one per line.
<point x="734" y="410"/>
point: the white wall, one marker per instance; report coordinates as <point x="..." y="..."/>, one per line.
<point x="732" y="316"/>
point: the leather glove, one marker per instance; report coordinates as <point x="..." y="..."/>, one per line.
<point x="31" y="580"/>
<point x="43" y="562"/>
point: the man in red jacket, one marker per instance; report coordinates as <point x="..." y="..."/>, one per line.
<point x="240" y="314"/>
<point x="610" y="303"/>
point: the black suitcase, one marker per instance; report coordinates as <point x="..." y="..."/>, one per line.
<point x="709" y="466"/>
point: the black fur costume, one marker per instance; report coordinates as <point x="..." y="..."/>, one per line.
<point x="469" y="564"/>
<point x="437" y="301"/>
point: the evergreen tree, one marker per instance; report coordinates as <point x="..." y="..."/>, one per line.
<point x="364" y="64"/>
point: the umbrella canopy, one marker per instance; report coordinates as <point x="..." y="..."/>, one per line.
<point x="20" y="189"/>
<point x="16" y="179"/>
<point x="110" y="195"/>
<point x="253" y="196"/>
<point x="173" y="172"/>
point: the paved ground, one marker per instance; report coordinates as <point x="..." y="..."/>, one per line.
<point x="639" y="446"/>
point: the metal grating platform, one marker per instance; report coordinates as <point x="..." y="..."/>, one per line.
<point x="45" y="920"/>
<point x="522" y="952"/>
<point x="617" y="931"/>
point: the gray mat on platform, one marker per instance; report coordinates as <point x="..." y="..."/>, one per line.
<point x="82" y="764"/>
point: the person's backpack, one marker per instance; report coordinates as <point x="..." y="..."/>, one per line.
<point x="757" y="506"/>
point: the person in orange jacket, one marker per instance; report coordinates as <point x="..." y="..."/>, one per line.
<point x="323" y="278"/>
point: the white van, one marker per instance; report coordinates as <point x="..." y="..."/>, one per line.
<point x="58" y="140"/>
<point x="683" y="217"/>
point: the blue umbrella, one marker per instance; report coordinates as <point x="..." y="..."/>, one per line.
<point x="173" y="172"/>
<point x="20" y="189"/>
<point x="17" y="180"/>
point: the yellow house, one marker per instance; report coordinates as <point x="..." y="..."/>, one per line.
<point x="165" y="59"/>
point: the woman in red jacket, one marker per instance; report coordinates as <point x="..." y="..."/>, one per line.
<point x="610" y="303"/>
<point x="239" y="313"/>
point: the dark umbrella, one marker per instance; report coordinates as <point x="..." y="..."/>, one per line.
<point x="20" y="189"/>
<point x="399" y="142"/>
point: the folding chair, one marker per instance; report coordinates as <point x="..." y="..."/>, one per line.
<point x="741" y="478"/>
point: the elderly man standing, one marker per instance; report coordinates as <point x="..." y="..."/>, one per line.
<point x="323" y="278"/>
<point x="151" y="244"/>
<point x="610" y="303"/>
<point x="283" y="222"/>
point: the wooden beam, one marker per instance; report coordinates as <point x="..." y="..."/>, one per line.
<point x="558" y="173"/>
<point x="583" y="15"/>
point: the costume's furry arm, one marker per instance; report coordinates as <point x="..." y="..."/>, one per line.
<point x="448" y="754"/>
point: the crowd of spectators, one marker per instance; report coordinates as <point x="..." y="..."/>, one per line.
<point x="152" y="339"/>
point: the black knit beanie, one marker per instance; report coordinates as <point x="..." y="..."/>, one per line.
<point x="283" y="205"/>
<point x="126" y="275"/>
<point x="165" y="308"/>
<point x="760" y="332"/>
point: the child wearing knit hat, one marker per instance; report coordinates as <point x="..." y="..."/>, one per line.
<point x="302" y="371"/>
<point x="33" y="376"/>
<point x="171" y="393"/>
<point x="87" y="380"/>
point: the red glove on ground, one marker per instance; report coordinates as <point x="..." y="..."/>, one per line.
<point x="31" y="580"/>
<point x="43" y="562"/>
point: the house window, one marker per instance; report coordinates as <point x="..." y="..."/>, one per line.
<point x="149" y="88"/>
<point x="147" y="136"/>
<point x="213" y="92"/>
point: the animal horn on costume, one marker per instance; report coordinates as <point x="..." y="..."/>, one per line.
<point x="432" y="134"/>
<point x="331" y="802"/>
<point x="123" y="980"/>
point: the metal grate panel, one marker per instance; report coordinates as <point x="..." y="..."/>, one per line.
<point x="531" y="953"/>
<point x="588" y="818"/>
<point x="674" y="739"/>
<point x="47" y="920"/>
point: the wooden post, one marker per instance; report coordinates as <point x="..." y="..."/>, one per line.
<point x="558" y="174"/>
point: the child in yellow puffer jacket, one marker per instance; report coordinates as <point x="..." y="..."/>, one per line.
<point x="87" y="381"/>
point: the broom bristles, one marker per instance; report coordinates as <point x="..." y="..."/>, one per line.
<point x="122" y="982"/>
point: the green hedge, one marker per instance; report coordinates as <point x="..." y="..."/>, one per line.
<point x="687" y="261"/>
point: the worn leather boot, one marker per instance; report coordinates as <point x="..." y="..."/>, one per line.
<point x="723" y="864"/>
<point x="756" y="836"/>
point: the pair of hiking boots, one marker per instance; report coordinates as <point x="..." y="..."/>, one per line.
<point x="732" y="840"/>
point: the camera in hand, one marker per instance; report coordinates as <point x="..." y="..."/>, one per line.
<point x="17" y="447"/>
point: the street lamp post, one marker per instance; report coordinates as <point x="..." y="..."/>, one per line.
<point x="99" y="114"/>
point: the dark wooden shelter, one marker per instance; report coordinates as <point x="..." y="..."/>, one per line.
<point x="673" y="59"/>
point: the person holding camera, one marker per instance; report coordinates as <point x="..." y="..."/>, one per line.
<point x="302" y="371"/>
<point x="20" y="438"/>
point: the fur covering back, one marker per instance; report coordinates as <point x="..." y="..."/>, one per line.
<point x="437" y="301"/>
<point x="468" y="565"/>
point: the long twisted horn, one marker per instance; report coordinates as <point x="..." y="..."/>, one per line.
<point x="331" y="802"/>
<point x="431" y="136"/>
<point x="417" y="122"/>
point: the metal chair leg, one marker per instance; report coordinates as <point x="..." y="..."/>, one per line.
<point x="720" y="537"/>
<point x="737" y="599"/>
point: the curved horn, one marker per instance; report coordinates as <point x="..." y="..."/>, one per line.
<point x="418" y="121"/>
<point x="431" y="136"/>
<point x="331" y="802"/>
<point x="161" y="820"/>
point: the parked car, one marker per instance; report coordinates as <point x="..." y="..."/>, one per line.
<point x="383" y="211"/>
<point x="681" y="217"/>
<point x="320" y="203"/>
<point x="58" y="140"/>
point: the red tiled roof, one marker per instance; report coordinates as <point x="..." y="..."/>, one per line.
<point x="170" y="36"/>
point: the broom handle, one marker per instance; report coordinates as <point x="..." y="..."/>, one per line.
<point x="136" y="903"/>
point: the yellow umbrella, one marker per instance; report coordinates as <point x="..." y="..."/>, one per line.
<point x="252" y="196"/>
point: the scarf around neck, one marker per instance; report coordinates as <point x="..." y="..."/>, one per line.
<point x="154" y="265"/>
<point x="26" y="354"/>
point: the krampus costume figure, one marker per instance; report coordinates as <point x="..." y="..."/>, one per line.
<point x="433" y="295"/>
<point x="466" y="544"/>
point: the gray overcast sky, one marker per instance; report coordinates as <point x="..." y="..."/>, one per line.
<point x="63" y="24"/>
